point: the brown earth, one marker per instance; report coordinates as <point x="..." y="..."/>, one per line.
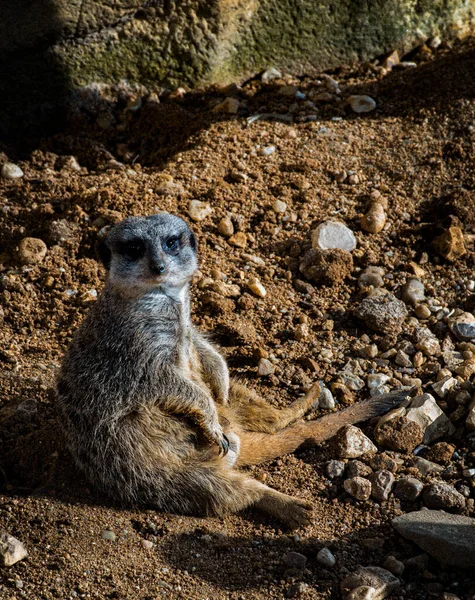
<point x="139" y="154"/>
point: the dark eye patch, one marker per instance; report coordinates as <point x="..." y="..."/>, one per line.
<point x="172" y="244"/>
<point x="133" y="249"/>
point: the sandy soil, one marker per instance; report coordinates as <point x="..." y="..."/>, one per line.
<point x="139" y="153"/>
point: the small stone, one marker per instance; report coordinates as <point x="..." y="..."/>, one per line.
<point x="31" y="251"/>
<point x="382" y="483"/>
<point x="229" y="106"/>
<point x="377" y="380"/>
<point x="448" y="538"/>
<point x="375" y="219"/>
<point x="256" y="287"/>
<point x="351" y="442"/>
<point x="238" y="240"/>
<point x="413" y="292"/>
<point x="441" y="453"/>
<point x="393" y="565"/>
<point x="402" y="359"/>
<point x="326" y="401"/>
<point x="384" y="462"/>
<point x="408" y="489"/>
<point x="294" y="560"/>
<point x="470" y="421"/>
<point x="392" y="60"/>
<point x="198" y="211"/>
<point x="11" y="171"/>
<point x="11" y="550"/>
<point x="422" y="311"/>
<point x="426" y="467"/>
<point x="384" y="313"/>
<point x="427" y="342"/>
<point x="382" y="581"/>
<point x="326" y="558"/>
<point x="63" y="231"/>
<point x="226" y="227"/>
<point x="279" y="207"/>
<point x="450" y="244"/>
<point x="265" y="368"/>
<point x="270" y="74"/>
<point x="147" y="544"/>
<point x="398" y="434"/>
<point x="442" y="496"/>
<point x="358" y="487"/>
<point x="424" y="411"/>
<point x="444" y="386"/>
<point x="362" y="592"/>
<point x="356" y="468"/>
<point x="335" y="468"/>
<point x="463" y="327"/>
<point x="109" y="535"/>
<point x="361" y="104"/>
<point x="332" y="234"/>
<point x="370" y="351"/>
<point x="330" y="267"/>
<point x="370" y="279"/>
<point x="301" y="331"/>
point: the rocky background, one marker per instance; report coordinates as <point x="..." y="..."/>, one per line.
<point x="335" y="218"/>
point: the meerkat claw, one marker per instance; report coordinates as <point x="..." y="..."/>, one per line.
<point x="224" y="445"/>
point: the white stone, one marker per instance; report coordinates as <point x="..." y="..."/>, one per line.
<point x="198" y="211"/>
<point x="332" y="234"/>
<point x="413" y="291"/>
<point x="326" y="401"/>
<point x="444" y="386"/>
<point x="279" y="207"/>
<point x="11" y="550"/>
<point x="380" y="580"/>
<point x="424" y="411"/>
<point x="326" y="558"/>
<point x="361" y="104"/>
<point x="257" y="288"/>
<point x="11" y="171"/>
<point x="352" y="442"/>
<point x="376" y="380"/>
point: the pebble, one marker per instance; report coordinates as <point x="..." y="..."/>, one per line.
<point x="31" y="251"/>
<point x="368" y="279"/>
<point x="238" y="240"/>
<point x="382" y="581"/>
<point x="358" y="487"/>
<point x="326" y="401"/>
<point x="351" y="442"/>
<point x="426" y="467"/>
<point x="270" y="74"/>
<point x="361" y="104"/>
<point x="444" y="386"/>
<point x="422" y="311"/>
<point x="256" y="287"/>
<point x="413" y="291"/>
<point x="330" y="267"/>
<point x="425" y="411"/>
<point x="448" y="538"/>
<point x="226" y="227"/>
<point x="375" y="219"/>
<point x="268" y="150"/>
<point x="335" y="468"/>
<point x="402" y="359"/>
<point x="265" y="368"/>
<point x="147" y="544"/>
<point x="326" y="558"/>
<point x="198" y="211"/>
<point x="398" y="433"/>
<point x="109" y="535"/>
<point x="369" y="351"/>
<point x="451" y="244"/>
<point x="408" y="489"/>
<point x="463" y="327"/>
<point x="332" y="234"/>
<point x="382" y="483"/>
<point x="442" y="496"/>
<point x="279" y="207"/>
<point x="395" y="566"/>
<point x="376" y="380"/>
<point x="229" y="106"/>
<point x="427" y="342"/>
<point x="356" y="468"/>
<point x="384" y="313"/>
<point x="470" y="421"/>
<point x="295" y="560"/>
<point x="11" y="171"/>
<point x="11" y="550"/>
<point x="441" y="453"/>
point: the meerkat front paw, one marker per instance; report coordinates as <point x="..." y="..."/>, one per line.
<point x="213" y="432"/>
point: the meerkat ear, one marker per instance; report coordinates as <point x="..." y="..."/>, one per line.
<point x="193" y="241"/>
<point x="104" y="252"/>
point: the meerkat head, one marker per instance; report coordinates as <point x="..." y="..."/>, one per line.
<point x="147" y="253"/>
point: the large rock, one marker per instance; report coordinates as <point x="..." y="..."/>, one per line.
<point x="449" y="538"/>
<point x="195" y="41"/>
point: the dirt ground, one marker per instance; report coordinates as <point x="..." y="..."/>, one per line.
<point x="137" y="152"/>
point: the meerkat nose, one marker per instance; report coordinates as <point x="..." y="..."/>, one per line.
<point x="156" y="267"/>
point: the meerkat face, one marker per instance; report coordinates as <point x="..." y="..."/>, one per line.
<point x="146" y="253"/>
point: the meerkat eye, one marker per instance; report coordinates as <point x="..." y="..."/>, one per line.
<point x="133" y="249"/>
<point x="172" y="243"/>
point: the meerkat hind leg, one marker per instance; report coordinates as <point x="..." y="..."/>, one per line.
<point x="256" y="447"/>
<point x="253" y="413"/>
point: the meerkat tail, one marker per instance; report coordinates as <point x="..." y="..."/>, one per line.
<point x="260" y="447"/>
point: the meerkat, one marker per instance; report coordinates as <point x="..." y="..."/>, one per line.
<point x="146" y="401"/>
